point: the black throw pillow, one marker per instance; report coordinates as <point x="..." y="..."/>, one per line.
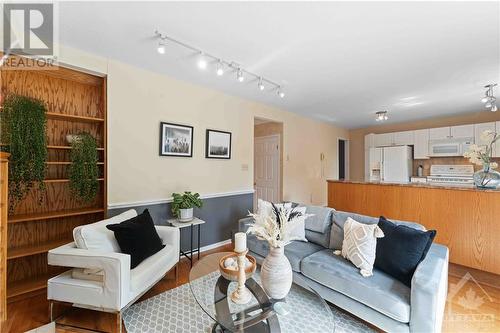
<point x="401" y="249"/>
<point x="137" y="237"/>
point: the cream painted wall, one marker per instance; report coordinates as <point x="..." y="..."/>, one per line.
<point x="139" y="99"/>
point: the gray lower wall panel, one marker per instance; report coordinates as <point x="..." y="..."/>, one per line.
<point x="220" y="214"/>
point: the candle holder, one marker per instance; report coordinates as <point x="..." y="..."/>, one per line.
<point x="241" y="295"/>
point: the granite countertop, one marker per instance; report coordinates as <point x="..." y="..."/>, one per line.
<point x="422" y="185"/>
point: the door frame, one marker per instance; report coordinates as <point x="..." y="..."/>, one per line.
<point x="280" y="165"/>
<point x="346" y="157"/>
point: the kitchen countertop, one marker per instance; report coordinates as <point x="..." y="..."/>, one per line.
<point x="421" y="185"/>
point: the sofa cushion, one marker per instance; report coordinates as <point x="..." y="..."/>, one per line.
<point x="381" y="292"/>
<point x="96" y="236"/>
<point x="319" y="238"/>
<point x="295" y="251"/>
<point x="402" y="249"/>
<point x="321" y="219"/>
<point x="137" y="237"/>
<point x="339" y="219"/>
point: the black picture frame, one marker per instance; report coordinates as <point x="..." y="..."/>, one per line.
<point x="163" y="128"/>
<point x="208" y="153"/>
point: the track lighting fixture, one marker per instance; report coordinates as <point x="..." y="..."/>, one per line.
<point x="239" y="75"/>
<point x="381" y="116"/>
<point x="202" y="62"/>
<point x="261" y="85"/>
<point x="280" y="92"/>
<point x="205" y="58"/>
<point x="161" y="46"/>
<point x="489" y="100"/>
<point x="220" y="68"/>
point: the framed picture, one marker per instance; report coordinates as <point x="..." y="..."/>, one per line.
<point x="218" y="144"/>
<point x="176" y="140"/>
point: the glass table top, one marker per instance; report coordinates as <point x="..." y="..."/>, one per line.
<point x="302" y="311"/>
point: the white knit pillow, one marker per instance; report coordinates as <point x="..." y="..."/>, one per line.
<point x="359" y="245"/>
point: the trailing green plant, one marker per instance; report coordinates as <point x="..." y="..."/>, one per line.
<point x="185" y="201"/>
<point x="84" y="171"/>
<point x="23" y="133"/>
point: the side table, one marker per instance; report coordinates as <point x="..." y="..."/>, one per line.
<point x="194" y="222"/>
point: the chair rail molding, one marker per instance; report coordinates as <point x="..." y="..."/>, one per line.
<point x="169" y="199"/>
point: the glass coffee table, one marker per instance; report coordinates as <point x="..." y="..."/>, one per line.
<point x="303" y="310"/>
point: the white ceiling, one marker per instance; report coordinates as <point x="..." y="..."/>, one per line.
<point x="340" y="62"/>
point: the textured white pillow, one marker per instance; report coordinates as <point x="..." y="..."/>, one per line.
<point x="264" y="208"/>
<point x="360" y="244"/>
<point x="298" y="232"/>
<point x="96" y="236"/>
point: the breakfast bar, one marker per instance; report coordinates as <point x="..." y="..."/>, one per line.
<point x="467" y="219"/>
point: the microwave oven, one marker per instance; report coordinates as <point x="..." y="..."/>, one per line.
<point x="450" y="147"/>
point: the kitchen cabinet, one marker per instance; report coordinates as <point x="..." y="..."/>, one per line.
<point x="384" y="139"/>
<point x="369" y="141"/>
<point x="421" y="144"/>
<point x="496" y="152"/>
<point x="462" y="131"/>
<point x="403" y="138"/>
<point x="480" y="128"/>
<point x="439" y="133"/>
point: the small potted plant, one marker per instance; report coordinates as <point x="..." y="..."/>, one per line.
<point x="183" y="204"/>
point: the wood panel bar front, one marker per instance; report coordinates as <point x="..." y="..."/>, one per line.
<point x="467" y="221"/>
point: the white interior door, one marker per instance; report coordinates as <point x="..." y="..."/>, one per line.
<point x="266" y="168"/>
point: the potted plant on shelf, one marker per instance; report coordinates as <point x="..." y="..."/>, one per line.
<point x="482" y="155"/>
<point x="23" y="135"/>
<point x="84" y="171"/>
<point x="183" y="204"/>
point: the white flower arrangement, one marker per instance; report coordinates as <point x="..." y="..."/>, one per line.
<point x="276" y="228"/>
<point x="481" y="154"/>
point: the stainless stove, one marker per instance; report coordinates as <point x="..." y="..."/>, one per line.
<point x="451" y="175"/>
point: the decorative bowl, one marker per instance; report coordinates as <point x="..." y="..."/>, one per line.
<point x="232" y="275"/>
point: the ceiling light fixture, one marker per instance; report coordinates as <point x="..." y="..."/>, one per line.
<point x="205" y="58"/>
<point x="261" y="85"/>
<point x="240" y="76"/>
<point x="202" y="62"/>
<point x="220" y="69"/>
<point x="161" y="46"/>
<point x="489" y="100"/>
<point x="381" y="116"/>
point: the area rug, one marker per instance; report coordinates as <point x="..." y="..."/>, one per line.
<point x="176" y="311"/>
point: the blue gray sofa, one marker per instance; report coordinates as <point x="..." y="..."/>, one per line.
<point x="380" y="299"/>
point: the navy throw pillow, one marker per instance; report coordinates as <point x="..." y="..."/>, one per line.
<point x="401" y="249"/>
<point x="137" y="237"/>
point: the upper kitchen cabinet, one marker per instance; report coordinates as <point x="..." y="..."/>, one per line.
<point x="463" y="131"/>
<point x="421" y="145"/>
<point x="496" y="152"/>
<point x="480" y="128"/>
<point x="439" y="133"/>
<point x="369" y="141"/>
<point x="404" y="138"/>
<point x="384" y="139"/>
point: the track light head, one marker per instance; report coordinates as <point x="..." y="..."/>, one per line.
<point x="381" y="116"/>
<point x="261" y="85"/>
<point x="161" y="46"/>
<point x="281" y="94"/>
<point x="202" y="62"/>
<point x="239" y="75"/>
<point x="494" y="108"/>
<point x="220" y="69"/>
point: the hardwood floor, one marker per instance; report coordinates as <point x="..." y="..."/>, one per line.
<point x="473" y="306"/>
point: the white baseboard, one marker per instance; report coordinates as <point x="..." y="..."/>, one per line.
<point x="215" y="245"/>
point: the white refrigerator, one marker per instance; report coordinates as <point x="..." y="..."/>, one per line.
<point x="391" y="164"/>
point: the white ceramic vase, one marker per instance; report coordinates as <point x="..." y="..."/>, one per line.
<point x="276" y="274"/>
<point x="186" y="214"/>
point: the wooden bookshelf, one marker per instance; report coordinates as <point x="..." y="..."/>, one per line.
<point x="76" y="102"/>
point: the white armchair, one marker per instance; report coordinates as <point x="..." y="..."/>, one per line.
<point x="107" y="283"/>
